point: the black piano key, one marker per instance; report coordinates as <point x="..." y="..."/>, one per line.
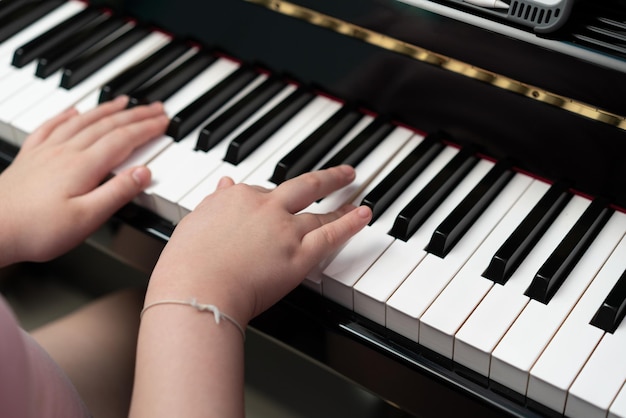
<point x="257" y="133"/>
<point x="207" y="104"/>
<point x="137" y="75"/>
<point x="27" y="12"/>
<point x="231" y="118"/>
<point x="26" y="53"/>
<point x="79" y="43"/>
<point x="87" y="64"/>
<point x="413" y="215"/>
<point x="167" y="85"/>
<point x="362" y="144"/>
<point x="309" y="152"/>
<point x="613" y="309"/>
<point x="510" y="255"/>
<point x="9" y="6"/>
<point x="452" y="229"/>
<point x="567" y="254"/>
<point x="396" y="182"/>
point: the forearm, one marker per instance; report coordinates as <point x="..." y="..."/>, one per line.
<point x="187" y="364"/>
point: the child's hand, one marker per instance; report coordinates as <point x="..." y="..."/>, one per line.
<point x="52" y="194"/>
<point x="244" y="247"/>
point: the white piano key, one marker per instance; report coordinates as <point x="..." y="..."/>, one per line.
<point x="382" y="156"/>
<point x="88" y="102"/>
<point x="618" y="407"/>
<point x="335" y="200"/>
<point x="12" y="84"/>
<point x="315" y="278"/>
<point x="179" y="165"/>
<point x="375" y="287"/>
<point x="174" y="104"/>
<point x="34" y="90"/>
<point x="263" y="173"/>
<point x="416" y="293"/>
<point x="486" y="325"/>
<point x="468" y="287"/>
<point x="413" y="141"/>
<point x="524" y="342"/>
<point x="15" y="80"/>
<point x="60" y="99"/>
<point x="195" y="166"/>
<point x="555" y="371"/>
<point x="150" y="153"/>
<point x="359" y="253"/>
<point x="345" y="195"/>
<point x="31" y="91"/>
<point x="362" y="251"/>
<point x="601" y="379"/>
<point x="58" y="15"/>
<point x="435" y="269"/>
<point x="92" y="100"/>
<point x="466" y="290"/>
<point x="366" y="171"/>
<point x="270" y="148"/>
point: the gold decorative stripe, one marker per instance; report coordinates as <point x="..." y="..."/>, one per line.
<point x="447" y="63"/>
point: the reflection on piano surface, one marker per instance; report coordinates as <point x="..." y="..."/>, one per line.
<point x="492" y="278"/>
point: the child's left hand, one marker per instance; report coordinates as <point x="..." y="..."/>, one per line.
<point x="52" y="194"/>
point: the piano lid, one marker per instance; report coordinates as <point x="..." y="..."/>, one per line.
<point x="448" y="63"/>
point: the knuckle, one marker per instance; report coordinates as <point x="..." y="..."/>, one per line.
<point x="313" y="181"/>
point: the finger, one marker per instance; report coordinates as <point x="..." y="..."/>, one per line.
<point x="76" y="125"/>
<point x="310" y="221"/>
<point x="106" y="199"/>
<point x="298" y="193"/>
<point x="43" y="131"/>
<point x="323" y="241"/>
<point x="110" y="126"/>
<point x="224" y="183"/>
<point x="116" y="146"/>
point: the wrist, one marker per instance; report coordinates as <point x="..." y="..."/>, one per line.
<point x="204" y="290"/>
<point x="218" y="315"/>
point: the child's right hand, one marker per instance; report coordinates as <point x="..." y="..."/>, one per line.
<point x="245" y="247"/>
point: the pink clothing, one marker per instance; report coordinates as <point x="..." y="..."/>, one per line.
<point x="31" y="383"/>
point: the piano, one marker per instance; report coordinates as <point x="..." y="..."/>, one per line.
<point x="490" y="143"/>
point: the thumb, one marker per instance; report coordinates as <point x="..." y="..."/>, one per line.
<point x="224" y="183"/>
<point x="323" y="241"/>
<point x="117" y="191"/>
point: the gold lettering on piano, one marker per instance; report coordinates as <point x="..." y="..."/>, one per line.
<point x="447" y="63"/>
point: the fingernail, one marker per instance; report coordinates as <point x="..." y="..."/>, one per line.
<point x="157" y="106"/>
<point x="121" y="99"/>
<point x="364" y="211"/>
<point x="347" y="170"/>
<point x="141" y="175"/>
<point x="70" y="111"/>
<point x="224" y="182"/>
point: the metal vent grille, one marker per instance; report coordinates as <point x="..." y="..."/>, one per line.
<point x="534" y="14"/>
<point x="601" y="25"/>
<point x="541" y="17"/>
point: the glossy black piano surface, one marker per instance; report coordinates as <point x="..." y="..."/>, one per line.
<point x="547" y="140"/>
<point x="542" y="139"/>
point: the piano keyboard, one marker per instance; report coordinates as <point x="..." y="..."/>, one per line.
<point x="516" y="283"/>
